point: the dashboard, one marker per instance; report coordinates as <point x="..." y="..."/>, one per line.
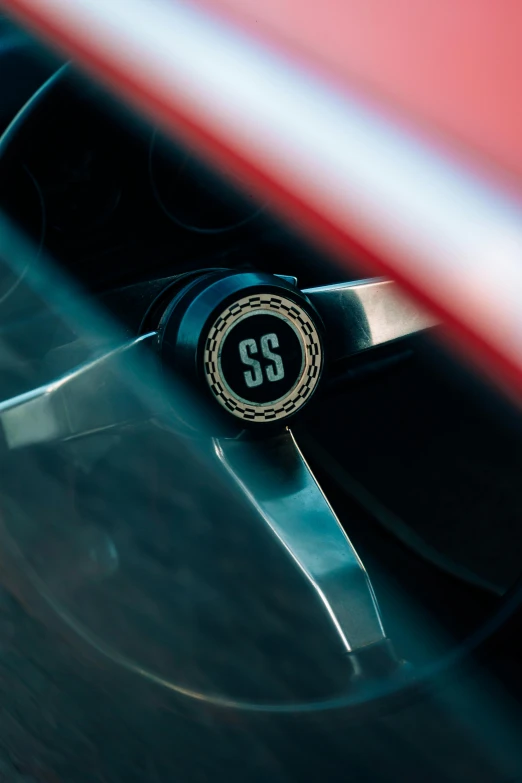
<point x="114" y="202"/>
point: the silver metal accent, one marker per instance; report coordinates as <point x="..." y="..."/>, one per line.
<point x="364" y="314"/>
<point x="275" y="477"/>
<point x="253" y="377"/>
<point x="90" y="398"/>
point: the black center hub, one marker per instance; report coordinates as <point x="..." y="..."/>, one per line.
<point x="249" y="340"/>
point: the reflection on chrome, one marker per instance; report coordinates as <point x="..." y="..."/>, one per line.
<point x="279" y="484"/>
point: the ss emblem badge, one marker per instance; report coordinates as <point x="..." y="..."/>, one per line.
<point x="263" y="357"/>
<point x="274" y="369"/>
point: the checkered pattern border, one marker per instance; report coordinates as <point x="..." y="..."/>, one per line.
<point x="310" y="373"/>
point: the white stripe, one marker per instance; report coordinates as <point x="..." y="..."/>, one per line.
<point x="445" y="227"/>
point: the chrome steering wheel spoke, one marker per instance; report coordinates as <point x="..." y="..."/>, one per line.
<point x="365" y="314"/>
<point x="95" y="396"/>
<point x="284" y="493"/>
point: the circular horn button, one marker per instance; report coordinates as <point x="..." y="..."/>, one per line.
<point x="263" y="357"/>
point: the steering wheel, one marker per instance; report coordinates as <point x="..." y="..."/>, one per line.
<point x="223" y="363"/>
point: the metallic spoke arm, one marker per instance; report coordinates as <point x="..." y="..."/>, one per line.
<point x="279" y="484"/>
<point x="364" y="314"/>
<point x="92" y="397"/>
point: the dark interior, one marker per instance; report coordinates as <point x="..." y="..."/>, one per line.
<point x="419" y="457"/>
